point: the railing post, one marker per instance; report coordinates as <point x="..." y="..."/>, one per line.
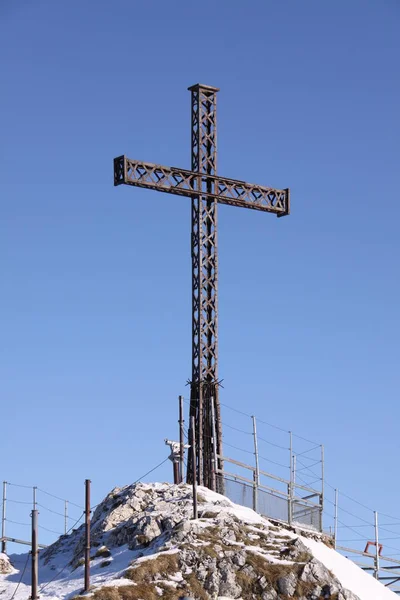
<point x="376" y="547"/>
<point x="257" y="471"/>
<point x="34" y="555"/>
<point x="294" y="470"/>
<point x="87" y="535"/>
<point x="194" y="465"/>
<point x="3" y="519"/>
<point x="181" y="439"/>
<point x="290" y="487"/>
<point x="336" y="515"/>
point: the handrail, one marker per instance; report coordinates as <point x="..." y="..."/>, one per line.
<point x="266" y="474"/>
<point x="361" y="553"/>
<point x="236" y="462"/>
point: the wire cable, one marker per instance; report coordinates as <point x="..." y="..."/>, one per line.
<point x="151" y="471"/>
<point x="356" y="501"/>
<point x="66" y="565"/>
<point x="27" y="487"/>
<point x="18" y="523"/>
<point x="273" y="462"/>
<point x="306" y="469"/>
<point x="272" y="443"/>
<point x="22" y="575"/>
<point x="307" y="451"/>
<point x="73" y="526"/>
<point x="237" y="429"/>
<point x="50" y="530"/>
<point x="313" y="465"/>
<point x="44" y="586"/>
<point x="237" y="448"/>
<point x="58" y="498"/>
<point x="354" y="531"/>
<point x="299" y="437"/>
<point x="54" y="512"/>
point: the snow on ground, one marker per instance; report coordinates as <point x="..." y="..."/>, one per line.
<point x="57" y="579"/>
<point x="351" y="577"/>
<point x="66" y="584"/>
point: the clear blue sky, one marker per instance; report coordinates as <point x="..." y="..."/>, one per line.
<point x="95" y="280"/>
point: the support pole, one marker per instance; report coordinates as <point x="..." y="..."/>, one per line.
<point x="257" y="471"/>
<point x="34" y="497"/>
<point x="336" y="515"/>
<point x="181" y="439"/>
<point x="177" y="477"/>
<point x="65" y="517"/>
<point x="215" y="477"/>
<point x="294" y="465"/>
<point x="322" y="486"/>
<point x="35" y="556"/>
<point x="290" y="490"/>
<point x="376" y="547"/>
<point x="87" y="535"/>
<point x="3" y="519"/>
<point x="193" y="455"/>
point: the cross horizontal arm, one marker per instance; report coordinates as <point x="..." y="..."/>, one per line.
<point x="188" y="183"/>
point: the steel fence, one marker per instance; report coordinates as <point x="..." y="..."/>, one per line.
<point x="272" y="496"/>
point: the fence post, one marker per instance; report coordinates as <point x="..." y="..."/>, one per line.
<point x="87" y="535"/>
<point x="376" y="547"/>
<point x="65" y="517"/>
<point x="322" y="486"/>
<point x="181" y="439"/>
<point x="214" y="448"/>
<point x="194" y="465"/>
<point x="290" y="487"/>
<point x="294" y="470"/>
<point x="3" y="519"/>
<point x="34" y="555"/>
<point x="336" y="515"/>
<point x="257" y="471"/>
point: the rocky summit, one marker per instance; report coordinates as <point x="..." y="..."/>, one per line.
<point x="145" y="545"/>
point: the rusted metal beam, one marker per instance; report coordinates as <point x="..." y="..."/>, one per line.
<point x="181" y="182"/>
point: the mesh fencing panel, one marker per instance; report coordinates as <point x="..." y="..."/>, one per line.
<point x="239" y="492"/>
<point x="307" y="515"/>
<point x="272" y="505"/>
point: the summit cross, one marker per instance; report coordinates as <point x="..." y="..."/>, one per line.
<point x="205" y="189"/>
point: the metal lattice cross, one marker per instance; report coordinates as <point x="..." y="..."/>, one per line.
<point x="206" y="189"/>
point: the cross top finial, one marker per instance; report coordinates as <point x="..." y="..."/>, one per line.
<point x="201" y="86"/>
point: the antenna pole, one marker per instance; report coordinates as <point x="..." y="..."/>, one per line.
<point x="3" y="519"/>
<point x="181" y="439"/>
<point x="193" y="453"/>
<point x="87" y="535"/>
<point x="34" y="553"/>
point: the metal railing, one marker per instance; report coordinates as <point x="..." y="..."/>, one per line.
<point x="272" y="496"/>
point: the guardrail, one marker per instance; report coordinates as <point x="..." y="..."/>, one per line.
<point x="272" y="496"/>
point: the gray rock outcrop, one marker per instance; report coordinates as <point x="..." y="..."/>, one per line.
<point x="216" y="555"/>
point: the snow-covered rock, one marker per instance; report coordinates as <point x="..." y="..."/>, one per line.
<point x="145" y="545"/>
<point x="5" y="565"/>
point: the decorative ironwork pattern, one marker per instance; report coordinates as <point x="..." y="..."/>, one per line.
<point x="204" y="278"/>
<point x="185" y="183"/>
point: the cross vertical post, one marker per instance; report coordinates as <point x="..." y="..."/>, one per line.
<point x="204" y="248"/>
